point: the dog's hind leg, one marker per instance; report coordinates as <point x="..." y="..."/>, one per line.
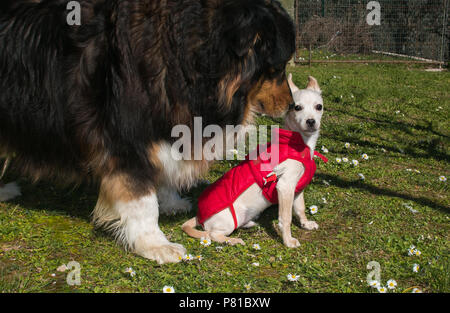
<point x="189" y="228"/>
<point x="171" y="203"/>
<point x="8" y="191"/>
<point x="220" y="237"/>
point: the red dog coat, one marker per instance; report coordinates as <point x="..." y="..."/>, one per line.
<point x="229" y="187"/>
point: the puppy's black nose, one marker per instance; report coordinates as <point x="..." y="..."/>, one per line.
<point x="311" y="122"/>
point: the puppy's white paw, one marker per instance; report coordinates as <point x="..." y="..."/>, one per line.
<point x="9" y="191"/>
<point x="292" y="243"/>
<point x="235" y="241"/>
<point x="168" y="253"/>
<point x="310" y="225"/>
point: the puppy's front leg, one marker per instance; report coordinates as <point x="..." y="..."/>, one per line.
<point x="285" y="199"/>
<point x="299" y="209"/>
<point x="289" y="172"/>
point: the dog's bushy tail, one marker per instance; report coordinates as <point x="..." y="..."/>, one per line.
<point x="189" y="228"/>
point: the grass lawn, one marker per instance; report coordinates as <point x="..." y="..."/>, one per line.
<point x="396" y="114"/>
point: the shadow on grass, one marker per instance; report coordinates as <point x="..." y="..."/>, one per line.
<point x="430" y="147"/>
<point x="339" y="182"/>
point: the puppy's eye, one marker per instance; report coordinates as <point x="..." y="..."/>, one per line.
<point x="298" y="108"/>
<point x="319" y="107"/>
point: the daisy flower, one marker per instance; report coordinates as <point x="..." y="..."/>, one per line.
<point x="417" y="252"/>
<point x="442" y="178"/>
<point x="205" y="241"/>
<point x="347" y="145"/>
<point x="199" y="257"/>
<point x="291" y="277"/>
<point x="374" y="283"/>
<point x="391" y="284"/>
<point x="130" y="271"/>
<point x="416" y="290"/>
<point x="361" y="176"/>
<point x="365" y="156"/>
<point x="355" y="162"/>
<point x="324" y="200"/>
<point x="345" y="160"/>
<point x="338" y="160"/>
<point x="324" y="150"/>
<point x="411" y="250"/>
<point x="187" y="257"/>
<point x="168" y="289"/>
<point x="313" y="209"/>
<point x="382" y="289"/>
<point x="416" y="268"/>
<point x="247" y="286"/>
<point x="256" y="246"/>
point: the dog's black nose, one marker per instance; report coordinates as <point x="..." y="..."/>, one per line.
<point x="311" y="122"/>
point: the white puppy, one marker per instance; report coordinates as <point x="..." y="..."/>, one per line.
<point x="304" y="118"/>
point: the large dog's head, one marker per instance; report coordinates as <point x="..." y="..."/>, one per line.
<point x="258" y="39"/>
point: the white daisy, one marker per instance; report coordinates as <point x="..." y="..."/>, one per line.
<point x="324" y="150"/>
<point x="391" y="284"/>
<point x="382" y="289"/>
<point x="188" y="257"/>
<point x="256" y="246"/>
<point x="365" y="156"/>
<point x="130" y="271"/>
<point x="411" y="250"/>
<point x="442" y="178"/>
<point x="313" y="209"/>
<point x="292" y="277"/>
<point x="355" y="162"/>
<point x="338" y="160"/>
<point x="416" y="290"/>
<point x="345" y="160"/>
<point x="324" y="201"/>
<point x="347" y="145"/>
<point x="417" y="252"/>
<point x="168" y="289"/>
<point x="205" y="241"/>
<point x="199" y="257"/>
<point x="247" y="286"/>
<point x="361" y="176"/>
<point x="416" y="268"/>
<point x="374" y="283"/>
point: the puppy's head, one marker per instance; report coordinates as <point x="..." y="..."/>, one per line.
<point x="306" y="114"/>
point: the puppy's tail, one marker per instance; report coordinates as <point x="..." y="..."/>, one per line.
<point x="189" y="228"/>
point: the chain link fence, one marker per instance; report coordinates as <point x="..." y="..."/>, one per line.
<point x="414" y="31"/>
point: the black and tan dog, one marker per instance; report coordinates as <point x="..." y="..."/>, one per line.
<point x="97" y="102"/>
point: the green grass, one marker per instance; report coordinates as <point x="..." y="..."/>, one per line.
<point x="362" y="221"/>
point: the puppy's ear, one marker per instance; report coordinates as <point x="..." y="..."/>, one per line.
<point x="293" y="87"/>
<point x="313" y="84"/>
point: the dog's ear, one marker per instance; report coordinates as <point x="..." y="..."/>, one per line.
<point x="313" y="84"/>
<point x="293" y="87"/>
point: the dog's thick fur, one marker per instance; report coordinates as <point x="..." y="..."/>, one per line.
<point x="98" y="101"/>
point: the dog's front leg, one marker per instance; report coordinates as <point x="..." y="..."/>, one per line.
<point x="288" y="172"/>
<point x="132" y="215"/>
<point x="299" y="210"/>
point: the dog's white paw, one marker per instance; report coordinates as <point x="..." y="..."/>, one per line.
<point x="9" y="191"/>
<point x="291" y="243"/>
<point x="168" y="253"/>
<point x="310" y="225"/>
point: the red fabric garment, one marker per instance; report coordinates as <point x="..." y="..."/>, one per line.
<point x="230" y="186"/>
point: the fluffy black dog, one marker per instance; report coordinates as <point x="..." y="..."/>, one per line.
<point x="98" y="101"/>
